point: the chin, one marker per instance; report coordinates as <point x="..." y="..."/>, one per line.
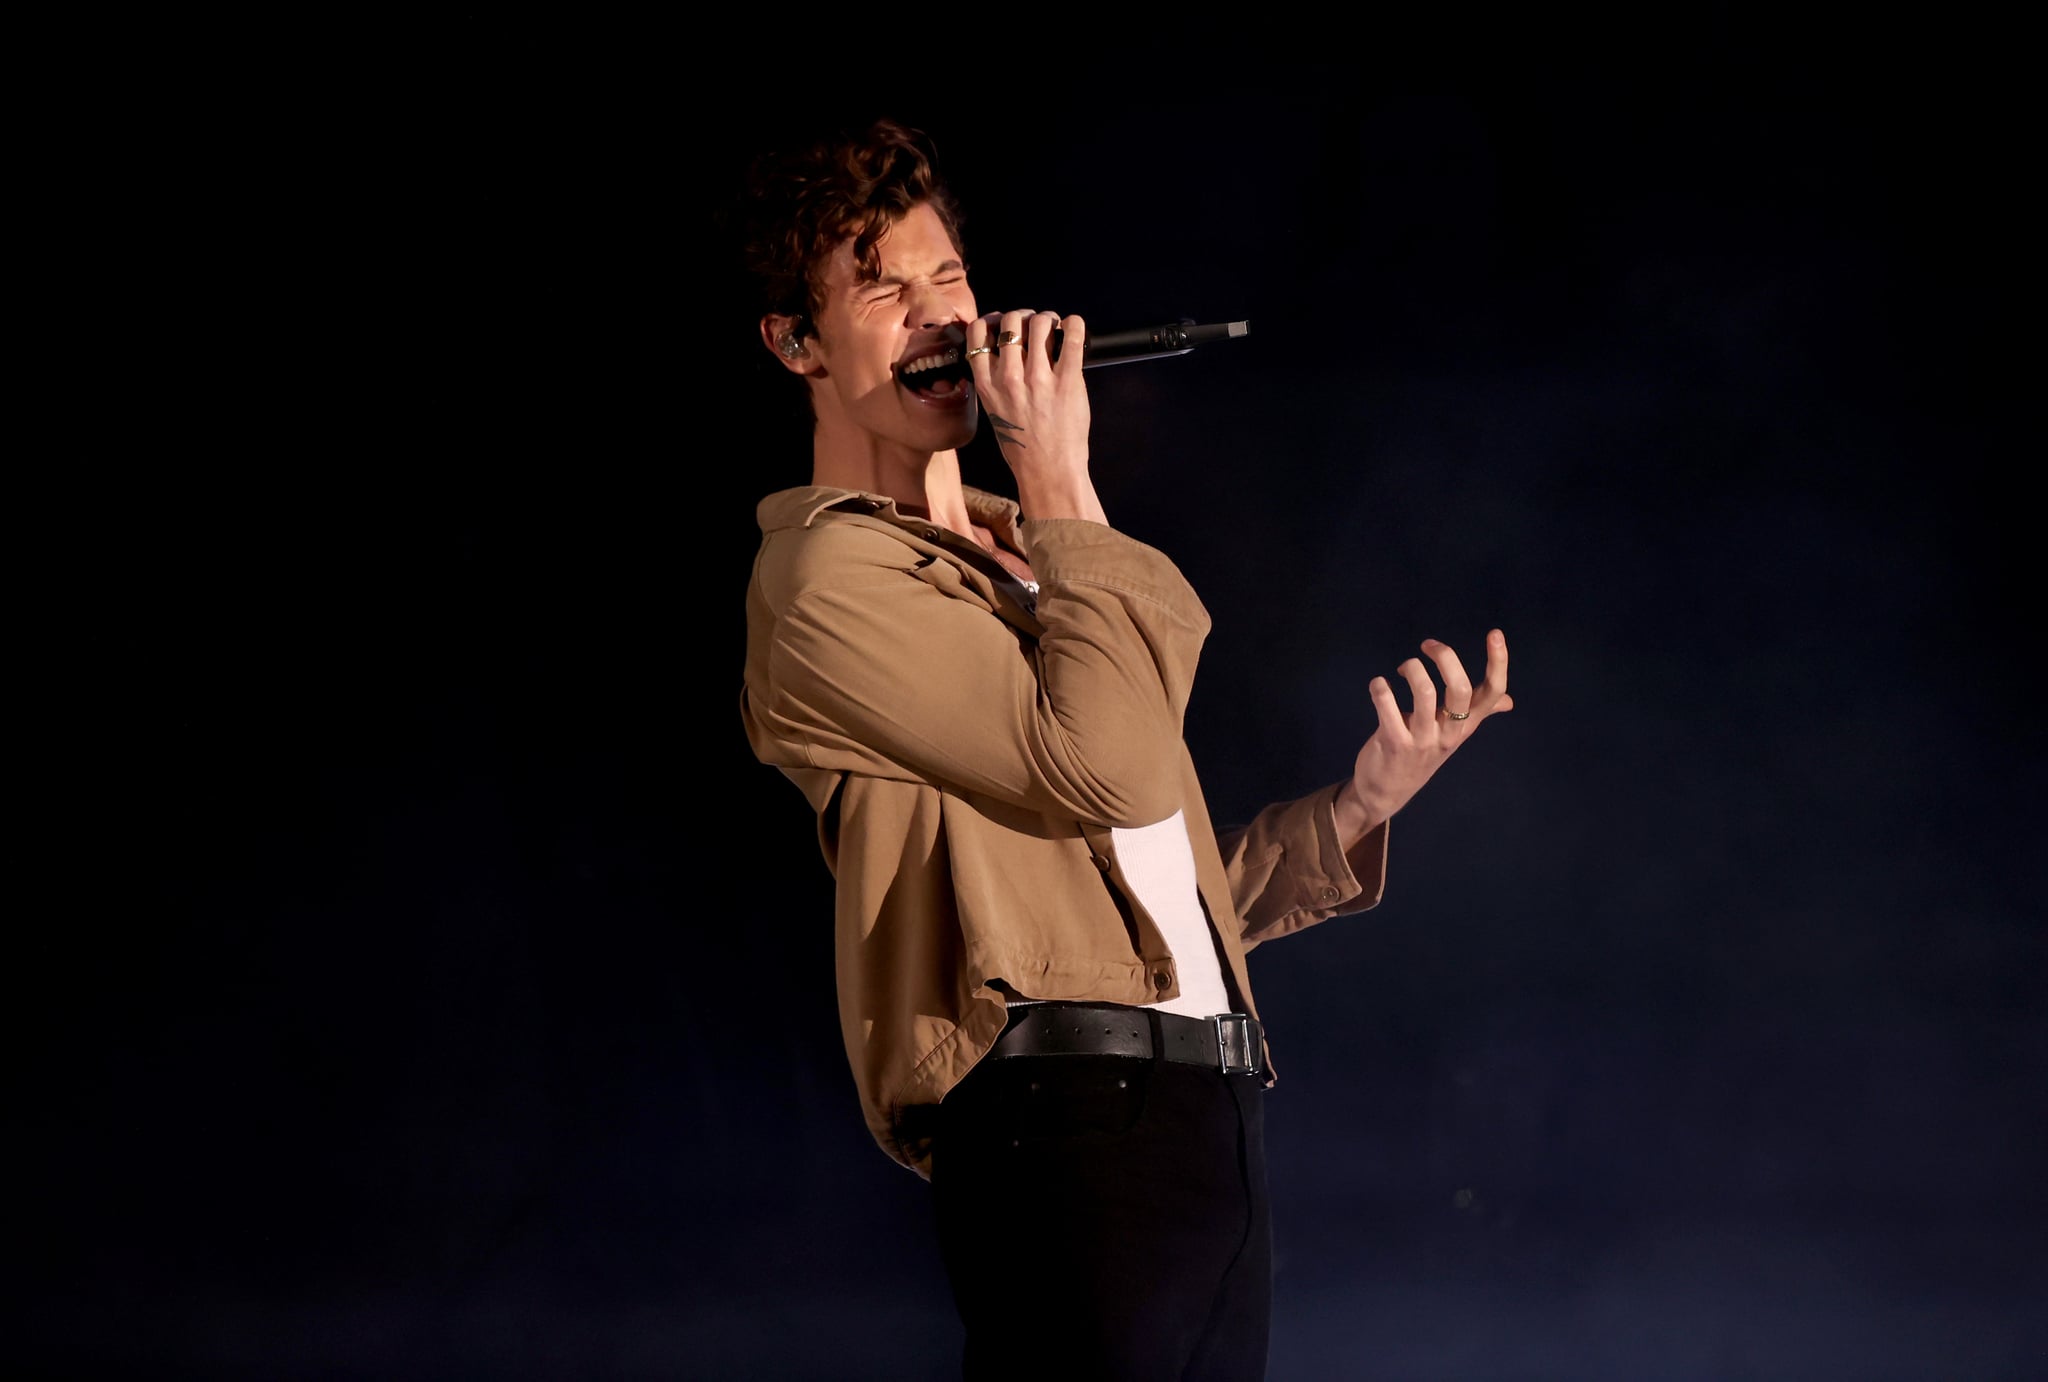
<point x="959" y="437"/>
<point x="950" y="434"/>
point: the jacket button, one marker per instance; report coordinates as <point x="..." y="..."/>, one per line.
<point x="931" y="534"/>
<point x="1101" y="861"/>
<point x="1160" y="979"/>
<point x="1329" y="894"/>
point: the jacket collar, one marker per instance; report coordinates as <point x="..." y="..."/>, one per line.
<point x="800" y="507"/>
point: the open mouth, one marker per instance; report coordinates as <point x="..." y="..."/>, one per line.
<point x="938" y="374"/>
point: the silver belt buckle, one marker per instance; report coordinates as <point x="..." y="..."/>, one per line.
<point x="1234" y="1042"/>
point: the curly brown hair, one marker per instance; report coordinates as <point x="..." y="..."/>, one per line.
<point x="801" y="203"/>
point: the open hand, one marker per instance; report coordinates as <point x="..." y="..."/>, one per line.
<point x="1406" y="750"/>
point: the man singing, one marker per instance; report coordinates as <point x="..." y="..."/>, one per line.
<point x="1040" y="935"/>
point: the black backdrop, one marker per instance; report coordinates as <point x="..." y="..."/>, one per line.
<point x="436" y="988"/>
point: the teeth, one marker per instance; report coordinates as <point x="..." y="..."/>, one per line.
<point x="950" y="356"/>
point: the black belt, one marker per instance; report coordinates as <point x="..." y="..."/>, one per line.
<point x="1231" y="1042"/>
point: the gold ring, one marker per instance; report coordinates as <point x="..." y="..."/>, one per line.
<point x="1009" y="338"/>
<point x="1454" y="714"/>
<point x="981" y="350"/>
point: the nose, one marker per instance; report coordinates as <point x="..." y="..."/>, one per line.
<point x="929" y="309"/>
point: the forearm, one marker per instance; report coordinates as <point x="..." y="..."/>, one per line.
<point x="1356" y="819"/>
<point x="882" y="661"/>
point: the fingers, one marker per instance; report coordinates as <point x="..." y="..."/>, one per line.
<point x="1391" y="722"/>
<point x="1457" y="686"/>
<point x="998" y="344"/>
<point x="1038" y="340"/>
<point x="1492" y="694"/>
<point x="1011" y="334"/>
<point x="1497" y="667"/>
<point x="1019" y="337"/>
<point x="1421" y="694"/>
<point x="1073" y="337"/>
<point x="981" y="335"/>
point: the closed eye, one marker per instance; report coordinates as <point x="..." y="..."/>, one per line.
<point x="882" y="292"/>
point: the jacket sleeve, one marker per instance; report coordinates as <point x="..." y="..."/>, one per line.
<point x="884" y="661"/>
<point x="1289" y="870"/>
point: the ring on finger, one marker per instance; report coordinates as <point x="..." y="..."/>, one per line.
<point x="1454" y="714"/>
<point x="981" y="350"/>
<point x="1009" y="338"/>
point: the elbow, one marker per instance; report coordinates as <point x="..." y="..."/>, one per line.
<point x="1132" y="782"/>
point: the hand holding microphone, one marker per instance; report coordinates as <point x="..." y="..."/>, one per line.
<point x="1037" y="408"/>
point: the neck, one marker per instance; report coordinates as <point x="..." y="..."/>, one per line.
<point x="925" y="481"/>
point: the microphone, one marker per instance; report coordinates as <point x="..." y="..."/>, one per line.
<point x="1149" y="342"/>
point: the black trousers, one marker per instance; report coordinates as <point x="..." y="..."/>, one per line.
<point x="1106" y="1218"/>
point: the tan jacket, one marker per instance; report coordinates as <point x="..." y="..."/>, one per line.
<point x="968" y="750"/>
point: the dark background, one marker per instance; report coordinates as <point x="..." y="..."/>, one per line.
<point x="435" y="987"/>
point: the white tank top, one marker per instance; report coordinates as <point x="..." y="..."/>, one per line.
<point x="1160" y="864"/>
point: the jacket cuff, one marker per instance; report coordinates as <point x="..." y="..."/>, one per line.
<point x="1351" y="880"/>
<point x="1322" y="879"/>
<point x="1079" y="551"/>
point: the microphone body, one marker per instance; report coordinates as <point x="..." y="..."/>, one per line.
<point x="1149" y="342"/>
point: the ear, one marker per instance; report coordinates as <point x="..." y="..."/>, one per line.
<point x="779" y="334"/>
